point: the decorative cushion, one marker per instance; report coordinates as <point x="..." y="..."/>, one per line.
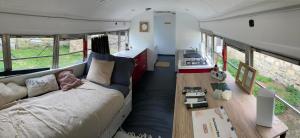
<point x="97" y="56"/>
<point x="100" y="71"/>
<point x="67" y="80"/>
<point x="20" y="91"/>
<point x="123" y="67"/>
<point x="122" y="71"/>
<point x="6" y="95"/>
<point x="41" y="85"/>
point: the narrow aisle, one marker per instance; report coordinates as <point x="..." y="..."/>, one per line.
<point x="153" y="102"/>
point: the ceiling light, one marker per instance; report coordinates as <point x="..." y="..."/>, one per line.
<point x="148" y="9"/>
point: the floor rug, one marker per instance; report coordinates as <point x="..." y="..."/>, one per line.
<point x="163" y="64"/>
<point x="153" y="102"/>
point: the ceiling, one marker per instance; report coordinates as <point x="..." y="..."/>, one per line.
<point x="125" y="10"/>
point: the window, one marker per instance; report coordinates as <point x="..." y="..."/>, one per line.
<point x="124" y="40"/>
<point x="209" y="48"/>
<point x="203" y="44"/>
<point x="1" y="56"/>
<point x="233" y="59"/>
<point x="279" y="76"/>
<point x="218" y="47"/>
<point x="70" y="52"/>
<point x="31" y="53"/>
<point x="117" y="41"/>
<point x="113" y="39"/>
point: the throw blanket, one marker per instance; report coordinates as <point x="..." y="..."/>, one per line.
<point x="82" y="112"/>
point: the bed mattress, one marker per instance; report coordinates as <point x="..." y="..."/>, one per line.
<point x="82" y="112"/>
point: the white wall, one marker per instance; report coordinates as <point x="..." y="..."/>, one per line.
<point x="187" y="31"/>
<point x="278" y="32"/>
<point x="187" y="34"/>
<point x="139" y="39"/>
<point x="165" y="32"/>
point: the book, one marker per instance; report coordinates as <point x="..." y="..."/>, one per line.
<point x="195" y="95"/>
<point x="212" y="123"/>
<point x="199" y="102"/>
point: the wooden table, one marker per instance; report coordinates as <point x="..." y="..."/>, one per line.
<point x="241" y="109"/>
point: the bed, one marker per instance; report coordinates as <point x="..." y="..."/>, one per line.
<point x="90" y="110"/>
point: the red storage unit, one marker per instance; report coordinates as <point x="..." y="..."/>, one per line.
<point x="140" y="66"/>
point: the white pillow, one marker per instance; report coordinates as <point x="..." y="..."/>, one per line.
<point x="100" y="71"/>
<point x="20" y="91"/>
<point x="41" y="85"/>
<point x="7" y="95"/>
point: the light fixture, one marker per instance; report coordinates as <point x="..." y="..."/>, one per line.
<point x="148" y="9"/>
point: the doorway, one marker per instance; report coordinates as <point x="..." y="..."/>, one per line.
<point x="164" y="32"/>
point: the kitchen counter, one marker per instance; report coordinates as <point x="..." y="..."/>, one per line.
<point x="181" y="65"/>
<point x="132" y="53"/>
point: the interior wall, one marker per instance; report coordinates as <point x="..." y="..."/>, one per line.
<point x="187" y="31"/>
<point x="165" y="32"/>
<point x="139" y="39"/>
<point x="277" y="32"/>
<point x="19" y="24"/>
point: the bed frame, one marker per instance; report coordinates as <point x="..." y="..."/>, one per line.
<point x="78" y="70"/>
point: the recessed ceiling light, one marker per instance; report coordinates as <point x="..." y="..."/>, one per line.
<point x="148" y="9"/>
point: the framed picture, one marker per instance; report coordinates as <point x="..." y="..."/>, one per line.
<point x="144" y="26"/>
<point x="245" y="77"/>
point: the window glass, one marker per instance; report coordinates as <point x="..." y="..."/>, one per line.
<point x="218" y="47"/>
<point x="209" y="48"/>
<point x="124" y="40"/>
<point x="203" y="46"/>
<point x="31" y="53"/>
<point x="233" y="59"/>
<point x="279" y="76"/>
<point x="70" y="52"/>
<point x="113" y="39"/>
<point x="117" y="41"/>
<point x="1" y="56"/>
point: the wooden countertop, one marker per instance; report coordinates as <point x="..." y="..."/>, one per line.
<point x="241" y="109"/>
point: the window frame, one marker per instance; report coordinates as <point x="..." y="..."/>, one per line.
<point x="27" y="58"/>
<point x="67" y="38"/>
<point x="90" y="36"/>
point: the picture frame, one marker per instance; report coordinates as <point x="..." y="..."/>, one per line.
<point x="245" y="77"/>
<point x="144" y="26"/>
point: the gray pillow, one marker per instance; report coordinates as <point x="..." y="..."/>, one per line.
<point x="123" y="70"/>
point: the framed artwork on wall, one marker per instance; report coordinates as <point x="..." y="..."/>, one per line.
<point x="144" y="26"/>
<point x="245" y="77"/>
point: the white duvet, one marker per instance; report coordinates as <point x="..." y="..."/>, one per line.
<point x="83" y="112"/>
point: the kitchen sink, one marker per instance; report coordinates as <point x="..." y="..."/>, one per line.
<point x="191" y="54"/>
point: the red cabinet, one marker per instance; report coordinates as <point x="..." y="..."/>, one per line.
<point x="140" y="66"/>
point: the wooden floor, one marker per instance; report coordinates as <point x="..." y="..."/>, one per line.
<point x="241" y="109"/>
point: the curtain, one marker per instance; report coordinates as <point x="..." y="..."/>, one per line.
<point x="100" y="44"/>
<point x="224" y="54"/>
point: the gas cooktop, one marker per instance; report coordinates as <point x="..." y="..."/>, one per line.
<point x="195" y="61"/>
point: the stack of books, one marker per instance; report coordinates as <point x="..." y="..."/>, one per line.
<point x="195" y="97"/>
